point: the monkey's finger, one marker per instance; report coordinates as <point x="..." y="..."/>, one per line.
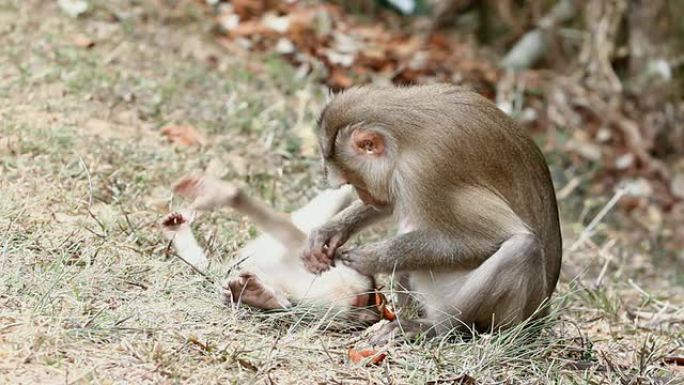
<point x="322" y="258"/>
<point x="313" y="263"/>
<point x="317" y="247"/>
<point x="331" y="246"/>
<point x="329" y="256"/>
<point x="319" y="268"/>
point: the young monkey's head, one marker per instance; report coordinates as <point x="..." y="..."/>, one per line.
<point x="357" y="151"/>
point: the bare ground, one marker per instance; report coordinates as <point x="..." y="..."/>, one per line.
<point x="90" y="294"/>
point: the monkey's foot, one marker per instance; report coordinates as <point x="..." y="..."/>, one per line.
<point x="174" y="222"/>
<point x="248" y="289"/>
<point x="207" y="192"/>
<point x="399" y="329"/>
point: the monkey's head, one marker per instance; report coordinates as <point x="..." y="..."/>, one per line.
<point x="357" y="149"/>
<point x="360" y="156"/>
<point x="382" y="139"/>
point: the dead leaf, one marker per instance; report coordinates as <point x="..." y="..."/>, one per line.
<point x="381" y="304"/>
<point x="674" y="360"/>
<point x="252" y="28"/>
<point x="183" y="135"/>
<point x="83" y="41"/>
<point x="356" y="356"/>
<point x="339" y="79"/>
<point x="247" y="365"/>
<point x="249" y="8"/>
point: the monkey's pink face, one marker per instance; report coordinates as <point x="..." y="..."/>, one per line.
<point x="360" y="163"/>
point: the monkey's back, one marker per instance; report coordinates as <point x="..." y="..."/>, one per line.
<point x="516" y="169"/>
<point x="513" y="167"/>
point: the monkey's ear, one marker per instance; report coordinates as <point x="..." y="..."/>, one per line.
<point x="368" y="142"/>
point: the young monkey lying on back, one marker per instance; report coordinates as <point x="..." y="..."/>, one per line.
<point x="271" y="273"/>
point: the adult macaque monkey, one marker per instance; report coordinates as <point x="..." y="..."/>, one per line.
<point x="479" y="237"/>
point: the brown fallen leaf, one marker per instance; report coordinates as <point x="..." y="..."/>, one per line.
<point x="249" y="8"/>
<point x="356" y="356"/>
<point x="247" y="365"/>
<point x="83" y="41"/>
<point x="338" y="79"/>
<point x="184" y="135"/>
<point x="252" y="28"/>
<point x="381" y="304"/>
<point x="674" y="360"/>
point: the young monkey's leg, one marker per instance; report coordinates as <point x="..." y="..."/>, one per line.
<point x="210" y="193"/>
<point x="176" y="228"/>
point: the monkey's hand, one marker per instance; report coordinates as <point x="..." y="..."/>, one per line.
<point x="323" y="242"/>
<point x="359" y="258"/>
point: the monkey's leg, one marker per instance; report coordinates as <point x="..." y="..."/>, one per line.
<point x="505" y="289"/>
<point x="248" y="289"/>
<point x="176" y="228"/>
<point x="408" y="329"/>
<point x="210" y="193"/>
<point x="402" y="289"/>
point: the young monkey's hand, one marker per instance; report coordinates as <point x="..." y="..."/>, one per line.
<point x="318" y="255"/>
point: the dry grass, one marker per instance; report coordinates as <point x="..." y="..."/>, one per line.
<point x="88" y="293"/>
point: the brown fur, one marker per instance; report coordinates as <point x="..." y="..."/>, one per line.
<point x="463" y="174"/>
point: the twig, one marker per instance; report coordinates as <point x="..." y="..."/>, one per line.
<point x="533" y="45"/>
<point x="608" y="257"/>
<point x="90" y="321"/>
<point x="597" y="219"/>
<point x="646" y="294"/>
<point x="565" y="192"/>
<point x="90" y="182"/>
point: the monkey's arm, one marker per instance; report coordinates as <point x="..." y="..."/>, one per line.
<point x="419" y="250"/>
<point x="324" y="241"/>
